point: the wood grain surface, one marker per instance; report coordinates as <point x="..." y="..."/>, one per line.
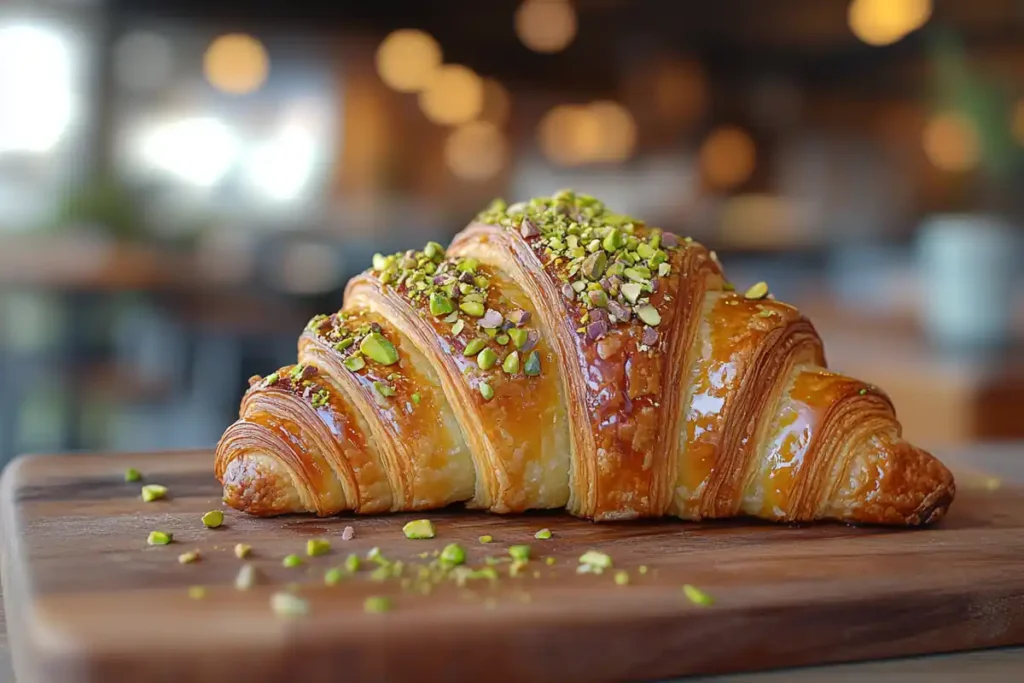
<point x="87" y="600"/>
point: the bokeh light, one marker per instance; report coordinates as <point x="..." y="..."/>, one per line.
<point x="951" y="142"/>
<point x="476" y="151"/>
<point x="883" y="22"/>
<point x="143" y="60"/>
<point x="280" y="168"/>
<point x="617" y="131"/>
<point x="236" y="63"/>
<point x="727" y="157"/>
<point x="680" y="91"/>
<point x="407" y="60"/>
<point x="572" y="135"/>
<point x="455" y="95"/>
<point x="497" y="103"/>
<point x="546" y="25"/>
<point x="198" y="151"/>
<point x="35" y="89"/>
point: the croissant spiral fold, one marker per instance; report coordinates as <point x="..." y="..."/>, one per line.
<point x="561" y="355"/>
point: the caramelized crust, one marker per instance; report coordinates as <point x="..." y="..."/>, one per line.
<point x="561" y="355"/>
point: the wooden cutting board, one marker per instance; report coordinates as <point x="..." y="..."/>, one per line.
<point x="87" y="600"/>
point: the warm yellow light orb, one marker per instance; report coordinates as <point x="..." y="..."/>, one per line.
<point x="569" y="135"/>
<point x="455" y="95"/>
<point x="476" y="151"/>
<point x="497" y="103"/>
<point x="407" y="59"/>
<point x="951" y="142"/>
<point x="236" y="63"/>
<point x="883" y="22"/>
<point x="546" y="25"/>
<point x="728" y="157"/>
<point x="617" y="131"/>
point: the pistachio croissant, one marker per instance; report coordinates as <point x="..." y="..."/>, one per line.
<point x="562" y="355"/>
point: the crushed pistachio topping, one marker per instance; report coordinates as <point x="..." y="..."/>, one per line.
<point x="486" y="390"/>
<point x="549" y="561"/>
<point x="486" y="538"/>
<point x="333" y="576"/>
<point x="291" y="561"/>
<point x="757" y="291"/>
<point x="642" y="569"/>
<point x="213" y="519"/>
<point x="697" y="596"/>
<point x="453" y="554"/>
<point x="418" y="529"/>
<point x="242" y="550"/>
<point x="609" y="264"/>
<point x="189" y="557"/>
<point x="622" y="578"/>
<point x="288" y="606"/>
<point x="151" y="492"/>
<point x="197" y="592"/>
<point x="317" y="546"/>
<point x="159" y="538"/>
<point x="543" y="534"/>
<point x="593" y="562"/>
<point x="377" y="604"/>
<point x="519" y="553"/>
<point x="357" y="340"/>
<point x="352" y="563"/>
<point x="131" y="475"/>
<point x="246" y="577"/>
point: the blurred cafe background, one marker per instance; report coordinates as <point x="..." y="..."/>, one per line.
<point x="184" y="183"/>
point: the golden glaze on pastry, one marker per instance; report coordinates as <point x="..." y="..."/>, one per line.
<point x="641" y="385"/>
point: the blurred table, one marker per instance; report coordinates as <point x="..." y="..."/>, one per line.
<point x="989" y="465"/>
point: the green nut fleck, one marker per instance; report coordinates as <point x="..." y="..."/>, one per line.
<point x="457" y="327"/>
<point x="594" y="265"/>
<point x="317" y="546"/>
<point x="440" y="304"/>
<point x="631" y="291"/>
<point x="473" y="308"/>
<point x="697" y="596"/>
<point x="453" y="554"/>
<point x="132" y="474"/>
<point x="159" y="538"/>
<point x="333" y="576"/>
<point x="352" y="563"/>
<point x="213" y="519"/>
<point x="434" y="251"/>
<point x="518" y="336"/>
<point x="419" y="529"/>
<point x="377" y="604"/>
<point x="486" y="359"/>
<point x="511" y="364"/>
<point x="377" y="347"/>
<point x="474" y="347"/>
<point x="644" y="250"/>
<point x="291" y="561"/>
<point x="520" y="553"/>
<point x="649" y="314"/>
<point x="532" y="366"/>
<point x="486" y="390"/>
<point x="543" y="534"/>
<point x="613" y="240"/>
<point x="152" y="492"/>
<point x="354" y="363"/>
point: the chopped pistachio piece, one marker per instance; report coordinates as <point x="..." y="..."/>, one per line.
<point x="159" y="537"/>
<point x="242" y="550"/>
<point x="291" y="561"/>
<point x="415" y="398"/>
<point x="632" y="291"/>
<point x="520" y="553"/>
<point x="458" y="327"/>
<point x="532" y="366"/>
<point x="288" y="606"/>
<point x="473" y="308"/>
<point x="317" y="546"/>
<point x="352" y="563"/>
<point x="757" y="291"/>
<point x="519" y="336"/>
<point x="549" y="561"/>
<point x="384" y="389"/>
<point x="511" y="363"/>
<point x="486" y="390"/>
<point x="374" y="554"/>
<point x="440" y="304"/>
<point x="246" y="577"/>
<point x="354" y="363"/>
<point x="543" y="534"/>
<point x="502" y="339"/>
<point x="433" y="251"/>
<point x="189" y="557"/>
<point x="333" y="576"/>
<point x="197" y="592"/>
<point x="642" y="569"/>
<point x="649" y="314"/>
<point x="621" y="577"/>
<point x="132" y="474"/>
<point x="418" y="529"/>
<point x="151" y="492"/>
<point x="697" y="596"/>
<point x="486" y="359"/>
<point x="453" y="554"/>
<point x="376" y="604"/>
<point x="596" y="560"/>
<point x="613" y="241"/>
<point x="644" y="250"/>
<point x="378" y="348"/>
<point x="474" y="347"/>
<point x="486" y="538"/>
<point x="594" y="265"/>
<point x="213" y="519"/>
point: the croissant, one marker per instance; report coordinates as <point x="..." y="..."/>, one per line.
<point x="561" y="355"/>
